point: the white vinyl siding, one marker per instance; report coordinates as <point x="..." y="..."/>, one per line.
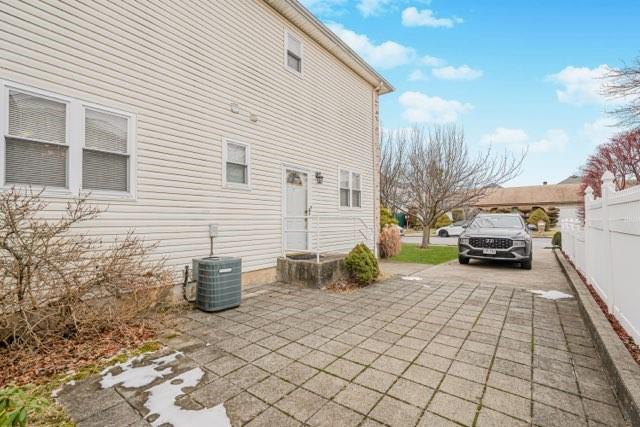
<point x="36" y="141"/>
<point x="179" y="79"/>
<point x="293" y="52"/>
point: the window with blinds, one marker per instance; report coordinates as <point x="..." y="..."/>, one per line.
<point x="237" y="164"/>
<point x="355" y="190"/>
<point x="345" y="189"/>
<point x="294" y="53"/>
<point x="105" y="158"/>
<point x="36" y="147"/>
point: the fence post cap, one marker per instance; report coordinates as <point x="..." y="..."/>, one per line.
<point x="608" y="182"/>
<point x="588" y="190"/>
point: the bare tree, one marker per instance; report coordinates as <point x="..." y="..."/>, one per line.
<point x="392" y="164"/>
<point x="624" y="83"/>
<point x="441" y="174"/>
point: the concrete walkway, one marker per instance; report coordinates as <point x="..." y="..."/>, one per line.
<point x="465" y="346"/>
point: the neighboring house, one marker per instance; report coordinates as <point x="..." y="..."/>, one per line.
<point x="565" y="197"/>
<point x="178" y="116"/>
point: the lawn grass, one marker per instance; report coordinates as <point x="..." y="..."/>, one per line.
<point x="436" y="254"/>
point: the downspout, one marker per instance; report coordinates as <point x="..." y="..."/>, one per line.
<point x="375" y="122"/>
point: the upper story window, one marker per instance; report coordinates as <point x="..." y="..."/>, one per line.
<point x="350" y="190"/>
<point x="36" y="150"/>
<point x="65" y="145"/>
<point x="293" y="52"/>
<point x="236" y="164"/>
<point x="105" y="158"/>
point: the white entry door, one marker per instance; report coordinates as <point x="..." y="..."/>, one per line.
<point x="296" y="204"/>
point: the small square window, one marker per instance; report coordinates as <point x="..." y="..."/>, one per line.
<point x="294" y="49"/>
<point x="237" y="164"/>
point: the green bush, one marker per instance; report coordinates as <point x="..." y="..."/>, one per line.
<point x="442" y="221"/>
<point x="537" y="216"/>
<point x="386" y="218"/>
<point x="556" y="240"/>
<point x="457" y="215"/>
<point x="554" y="215"/>
<point x="362" y="264"/>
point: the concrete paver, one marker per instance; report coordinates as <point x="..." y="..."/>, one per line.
<point x="471" y="348"/>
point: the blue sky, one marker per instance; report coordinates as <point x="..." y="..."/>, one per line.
<point x="515" y="74"/>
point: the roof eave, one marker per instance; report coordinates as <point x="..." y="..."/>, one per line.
<point x="303" y="19"/>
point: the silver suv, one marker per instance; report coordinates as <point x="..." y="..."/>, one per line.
<point x="503" y="237"/>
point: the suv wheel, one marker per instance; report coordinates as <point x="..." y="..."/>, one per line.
<point x="526" y="265"/>
<point x="463" y="260"/>
<point x="443" y="233"/>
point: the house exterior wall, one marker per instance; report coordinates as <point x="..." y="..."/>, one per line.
<point x="178" y="67"/>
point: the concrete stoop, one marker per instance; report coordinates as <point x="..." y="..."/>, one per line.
<point x="306" y="271"/>
<point x="622" y="369"/>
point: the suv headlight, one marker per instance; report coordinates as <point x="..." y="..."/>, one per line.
<point x="464" y="240"/>
<point x="519" y="243"/>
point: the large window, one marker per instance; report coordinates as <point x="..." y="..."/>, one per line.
<point x="36" y="147"/>
<point x="236" y="164"/>
<point x="350" y="190"/>
<point x="293" y="52"/>
<point x="65" y="145"/>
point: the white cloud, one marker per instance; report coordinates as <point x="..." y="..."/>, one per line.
<point x="581" y="85"/>
<point x="372" y="7"/>
<point x="506" y="136"/>
<point x="518" y="140"/>
<point x="432" y="61"/>
<point x="388" y="54"/>
<point x="326" y="7"/>
<point x="600" y="130"/>
<point x="463" y="72"/>
<point x="416" y="76"/>
<point x="412" y="17"/>
<point x="553" y="140"/>
<point x="422" y="108"/>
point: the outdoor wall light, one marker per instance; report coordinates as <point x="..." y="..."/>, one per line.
<point x="319" y="177"/>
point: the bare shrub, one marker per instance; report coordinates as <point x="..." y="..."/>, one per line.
<point x="59" y="282"/>
<point x="390" y="241"/>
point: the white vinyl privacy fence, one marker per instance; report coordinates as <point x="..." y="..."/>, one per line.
<point x="606" y="249"/>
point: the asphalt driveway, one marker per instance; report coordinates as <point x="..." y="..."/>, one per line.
<point x="462" y="345"/>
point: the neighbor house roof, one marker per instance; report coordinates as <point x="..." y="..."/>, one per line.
<point x="303" y="19"/>
<point x="531" y="195"/>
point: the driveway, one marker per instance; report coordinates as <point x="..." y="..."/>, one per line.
<point x="466" y="345"/>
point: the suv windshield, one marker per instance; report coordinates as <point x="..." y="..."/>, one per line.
<point x="496" y="222"/>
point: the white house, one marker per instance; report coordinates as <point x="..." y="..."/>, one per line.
<point x="233" y="113"/>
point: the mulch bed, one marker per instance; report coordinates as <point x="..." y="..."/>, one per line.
<point x="20" y="366"/>
<point x="627" y="340"/>
<point x="343" y="286"/>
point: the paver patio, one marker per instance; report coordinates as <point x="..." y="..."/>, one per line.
<point x="398" y="353"/>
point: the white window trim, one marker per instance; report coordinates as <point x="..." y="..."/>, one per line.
<point x="288" y="32"/>
<point x="74" y="141"/>
<point x="351" y="172"/>
<point x="235" y="185"/>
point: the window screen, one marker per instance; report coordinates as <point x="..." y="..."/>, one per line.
<point x="36" y="150"/>
<point x="294" y="53"/>
<point x="344" y="188"/>
<point x="105" y="160"/>
<point x="237" y="165"/>
<point x="355" y="190"/>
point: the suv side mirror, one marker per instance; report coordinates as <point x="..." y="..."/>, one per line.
<point x="531" y="227"/>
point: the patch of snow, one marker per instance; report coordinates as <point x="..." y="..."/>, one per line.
<point x="552" y="295"/>
<point x="138" y="376"/>
<point x="56" y="392"/>
<point x="162" y="402"/>
<point x="413" y="278"/>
